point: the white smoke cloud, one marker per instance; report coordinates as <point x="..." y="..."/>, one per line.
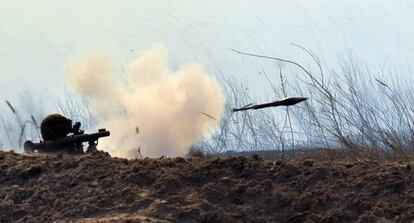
<point x="166" y="106"/>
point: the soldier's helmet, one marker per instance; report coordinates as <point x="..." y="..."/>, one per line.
<point x="55" y="126"/>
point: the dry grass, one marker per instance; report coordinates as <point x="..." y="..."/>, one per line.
<point x="361" y="115"/>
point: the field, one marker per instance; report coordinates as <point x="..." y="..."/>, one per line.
<point x="98" y="188"/>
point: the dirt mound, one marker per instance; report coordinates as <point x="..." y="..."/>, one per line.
<point x="99" y="188"/>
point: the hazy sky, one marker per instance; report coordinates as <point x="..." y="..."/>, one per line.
<point x="37" y="38"/>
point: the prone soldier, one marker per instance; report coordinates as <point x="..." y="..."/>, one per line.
<point x="55" y="130"/>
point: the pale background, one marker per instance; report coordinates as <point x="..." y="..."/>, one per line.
<point x="37" y="38"/>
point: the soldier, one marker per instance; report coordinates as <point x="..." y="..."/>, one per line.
<point x="60" y="136"/>
<point x="56" y="126"/>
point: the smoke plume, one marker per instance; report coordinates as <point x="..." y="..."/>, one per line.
<point x="161" y="111"/>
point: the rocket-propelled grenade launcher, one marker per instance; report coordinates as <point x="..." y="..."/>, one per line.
<point x="55" y="129"/>
<point x="70" y="144"/>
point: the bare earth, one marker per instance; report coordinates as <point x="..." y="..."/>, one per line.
<point x="99" y="188"/>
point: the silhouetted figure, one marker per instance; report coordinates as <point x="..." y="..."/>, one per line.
<point x="55" y="126"/>
<point x="59" y="135"/>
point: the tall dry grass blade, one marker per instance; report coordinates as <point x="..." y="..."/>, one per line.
<point x="11" y="107"/>
<point x="21" y="134"/>
<point x="37" y="126"/>
<point x="382" y="83"/>
<point x="6" y="130"/>
<point x="34" y="121"/>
